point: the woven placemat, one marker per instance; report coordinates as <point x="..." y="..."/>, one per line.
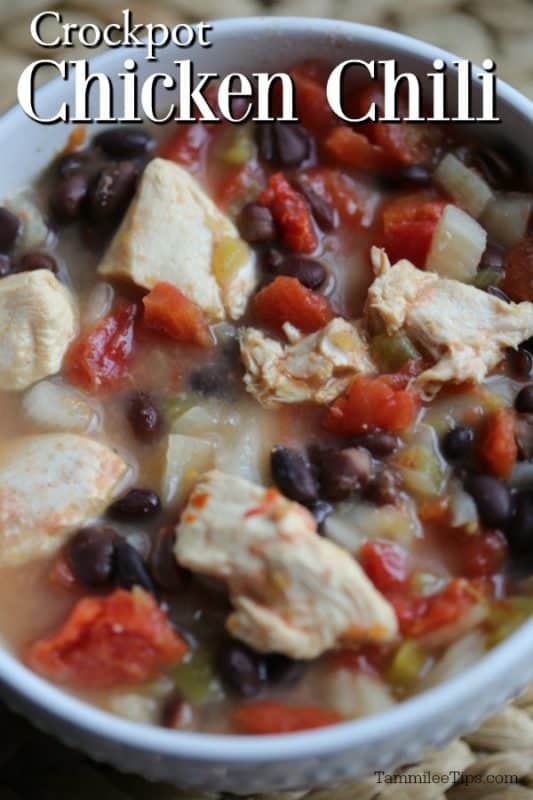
<point x="495" y="762"/>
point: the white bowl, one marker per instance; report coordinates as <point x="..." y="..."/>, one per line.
<point x="254" y="764"/>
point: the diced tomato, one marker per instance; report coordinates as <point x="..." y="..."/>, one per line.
<point x="372" y="403"/>
<point x="353" y="149"/>
<point x="287" y="300"/>
<point x="424" y="615"/>
<point x="168" y="311"/>
<point x="409" y="224"/>
<point x="497" y="450"/>
<point x="338" y="190"/>
<point x="240" y="185"/>
<point x="483" y="554"/>
<point x="187" y="146"/>
<point x="100" y="356"/>
<point x="312" y="107"/>
<point x="369" y="658"/>
<point x="386" y="564"/>
<point x="120" y="639"/>
<point x="518" y="280"/>
<point x="291" y="213"/>
<point x="404" y="142"/>
<point x="266" y="717"/>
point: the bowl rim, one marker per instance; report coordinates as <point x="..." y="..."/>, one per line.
<point x="234" y="749"/>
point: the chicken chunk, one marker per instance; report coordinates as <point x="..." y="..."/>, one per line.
<point x="173" y="232"/>
<point x="465" y="330"/>
<point x="49" y="485"/>
<point x="293" y="592"/>
<point x="37" y="324"/>
<point x="315" y="368"/>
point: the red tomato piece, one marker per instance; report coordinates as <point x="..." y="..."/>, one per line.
<point x="443" y="608"/>
<point x="353" y="149"/>
<point x="386" y="564"/>
<point x="405" y="142"/>
<point x="266" y="717"/>
<point x="497" y="450"/>
<point x="100" y="356"/>
<point x="372" y="403"/>
<point x="483" y="554"/>
<point x="168" y="311"/>
<point x="187" y="146"/>
<point x="312" y="107"/>
<point x="291" y="213"/>
<point x="338" y="190"/>
<point x="239" y="186"/>
<point x="369" y="658"/>
<point x="287" y="300"/>
<point x="120" y="639"/>
<point x="409" y="224"/>
<point x="518" y="280"/>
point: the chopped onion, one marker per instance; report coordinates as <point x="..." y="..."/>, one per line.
<point x="186" y="459"/>
<point x="460" y="655"/>
<point x="98" y="303"/>
<point x="56" y="407"/>
<point x="355" y="694"/>
<point x="463" y="509"/>
<point x="465" y="186"/>
<point x="457" y="245"/>
<point x="506" y="217"/>
<point x="351" y="524"/>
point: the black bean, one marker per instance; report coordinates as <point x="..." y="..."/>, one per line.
<point x="265" y="140"/>
<point x="124" y="142"/>
<point x="520" y="530"/>
<point x="384" y="488"/>
<point x="91" y="555"/>
<point x="256" y="224"/>
<point x="70" y="163"/>
<point x="284" y="671"/>
<point x="379" y="443"/>
<point x="414" y="174"/>
<point x="519" y="362"/>
<point x="137" y="504"/>
<point x="176" y="713"/>
<point x="497" y="165"/>
<point x="528" y="344"/>
<point x="320" y="511"/>
<point x="308" y="271"/>
<point x="272" y="260"/>
<point x="323" y="212"/>
<point x="492" y="499"/>
<point x="163" y="565"/>
<point x="112" y="191"/>
<point x="293" y="144"/>
<point x="524" y="399"/>
<point x="343" y="472"/>
<point x="5" y="265"/>
<point x="9" y="229"/>
<point x="457" y="444"/>
<point x="524" y="436"/>
<point x="495" y="291"/>
<point x="493" y="257"/>
<point x="130" y="568"/>
<point x="36" y="260"/>
<point x="214" y="380"/>
<point x="68" y="197"/>
<point x="241" y="669"/>
<point x="284" y="144"/>
<point x="144" y="416"/>
<point x="293" y="475"/>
